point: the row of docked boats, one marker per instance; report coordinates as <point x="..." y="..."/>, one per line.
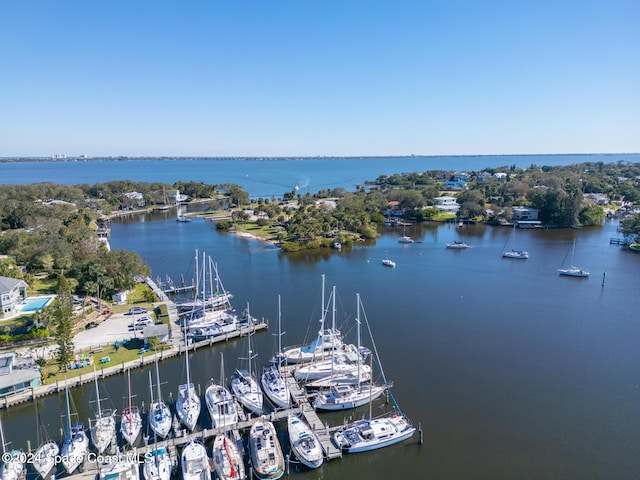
<point x="337" y="375"/>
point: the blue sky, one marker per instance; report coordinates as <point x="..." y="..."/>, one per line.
<point x="306" y="78"/>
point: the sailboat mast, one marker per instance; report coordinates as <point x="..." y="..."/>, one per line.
<point x="249" y="340"/>
<point x="158" y="382"/>
<point x="66" y="393"/>
<point x="4" y="448"/>
<point x="279" y="331"/>
<point x="358" y="325"/>
<point x="95" y="380"/>
<point x="333" y="322"/>
<point x="150" y="388"/>
<point x="129" y="395"/>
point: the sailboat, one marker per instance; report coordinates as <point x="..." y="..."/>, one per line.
<point x="267" y="460"/>
<point x="244" y="385"/>
<point x="227" y="459"/>
<point x="44" y="457"/>
<point x="374" y="433"/>
<point x="220" y="403"/>
<point x="572" y="271"/>
<point x="345" y="396"/>
<point x="159" y="414"/>
<point x="344" y="365"/>
<point x="104" y="425"/>
<point x="195" y="462"/>
<point x="188" y="402"/>
<point x="157" y="463"/>
<point x="274" y="386"/>
<point x="12" y="461"/>
<point x="405" y="238"/>
<point x="304" y="443"/>
<point x="131" y="422"/>
<point x="326" y="341"/>
<point x="76" y="442"/>
<point x="513" y="253"/>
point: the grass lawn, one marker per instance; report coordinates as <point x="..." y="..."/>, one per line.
<point x="126" y="353"/>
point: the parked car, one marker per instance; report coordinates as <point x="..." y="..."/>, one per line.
<point x="142" y="321"/>
<point x="137" y="310"/>
<point x="90" y="325"/>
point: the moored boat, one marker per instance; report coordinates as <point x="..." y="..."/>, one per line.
<point x="227" y="459"/>
<point x="195" y="462"/>
<point x="157" y="464"/>
<point x="220" y="403"/>
<point x="304" y="443"/>
<point x="365" y="435"/>
<point x="267" y="460"/>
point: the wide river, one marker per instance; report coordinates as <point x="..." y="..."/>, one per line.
<point x="512" y="371"/>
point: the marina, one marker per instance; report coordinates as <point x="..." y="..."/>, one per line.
<point x="511" y="359"/>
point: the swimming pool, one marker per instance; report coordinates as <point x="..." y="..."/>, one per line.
<point x="33" y="304"/>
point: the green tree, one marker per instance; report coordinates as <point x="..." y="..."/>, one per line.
<point x="63" y="323"/>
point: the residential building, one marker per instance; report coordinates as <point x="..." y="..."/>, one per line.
<point x="524" y="214"/>
<point x="12" y="292"/>
<point x="16" y="378"/>
<point x="447" y="204"/>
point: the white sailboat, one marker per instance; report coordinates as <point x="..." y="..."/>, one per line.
<point x="344" y="365"/>
<point x="195" y="462"/>
<point x="244" y="385"/>
<point x="12" y="460"/>
<point x="103" y="429"/>
<point x="157" y="464"/>
<point x="267" y="460"/>
<point x="44" y="457"/>
<point x="188" y="402"/>
<point x="321" y="347"/>
<point x="345" y="396"/>
<point x="405" y="238"/>
<point x="131" y="421"/>
<point x="76" y="442"/>
<point x="513" y="253"/>
<point x="227" y="459"/>
<point x="274" y="386"/>
<point x="220" y="403"/>
<point x="159" y="414"/>
<point x="371" y="434"/>
<point x="304" y="443"/>
<point x="572" y="270"/>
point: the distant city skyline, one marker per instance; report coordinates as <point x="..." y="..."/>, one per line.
<point x="318" y="78"/>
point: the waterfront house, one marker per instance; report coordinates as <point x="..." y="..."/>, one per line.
<point x="447" y="204"/>
<point x="16" y="378"/>
<point x="12" y="292"/>
<point x="524" y="214"/>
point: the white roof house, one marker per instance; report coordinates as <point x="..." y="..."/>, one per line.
<point x="12" y="292"/>
<point x="447" y="204"/>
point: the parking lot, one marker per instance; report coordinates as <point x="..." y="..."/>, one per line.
<point x="115" y="327"/>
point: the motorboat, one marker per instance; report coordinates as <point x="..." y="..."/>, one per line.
<point x="304" y="442"/>
<point x="457" y="245"/>
<point x="387" y="262"/>
<point x="195" y="462"/>
<point x="366" y="435"/>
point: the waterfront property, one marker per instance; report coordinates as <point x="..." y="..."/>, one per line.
<point x="16" y="378"/>
<point x="12" y="293"/>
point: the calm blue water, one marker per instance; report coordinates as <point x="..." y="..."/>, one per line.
<point x="512" y="371"/>
<point x="273" y="177"/>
